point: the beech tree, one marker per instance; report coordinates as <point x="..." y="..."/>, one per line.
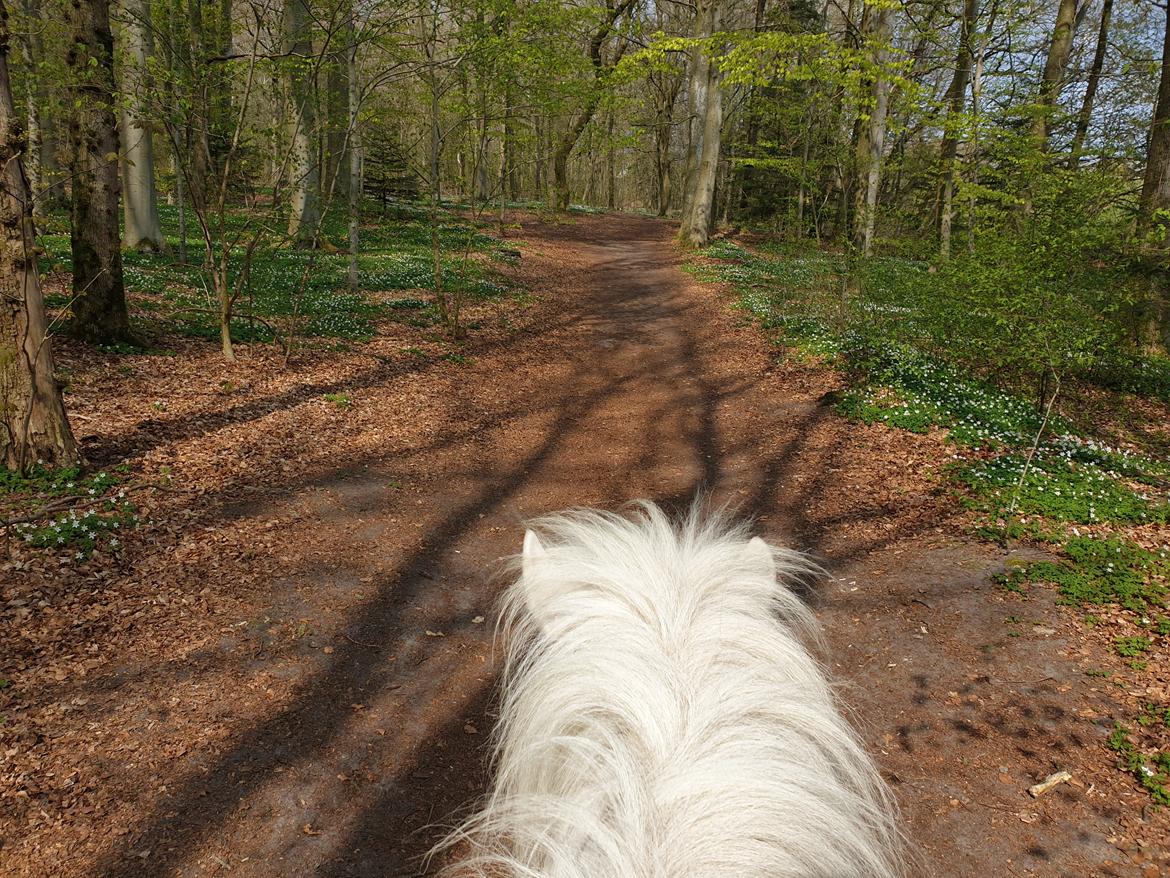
<point x="870" y="148"/>
<point x="99" y="296"/>
<point x="956" y="98"/>
<point x="1156" y="183"/>
<point x="33" y="426"/>
<point x="601" y="67"/>
<point x="304" y="210"/>
<point x="140" y="197"/>
<point x="1092" y="85"/>
<point x="705" y="123"/>
<point x="1052" y="79"/>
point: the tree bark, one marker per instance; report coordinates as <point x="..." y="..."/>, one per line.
<point x="871" y="143"/>
<point x="1155" y="199"/>
<point x="338" y="140"/>
<point x="1156" y="185"/>
<point x="33" y="426"/>
<point x="140" y="198"/>
<point x="667" y="88"/>
<point x="304" y="208"/>
<point x="43" y="165"/>
<point x="1052" y="80"/>
<point x="706" y="94"/>
<point x="1086" y="114"/>
<point x="354" y="185"/>
<point x="99" y="298"/>
<point x="956" y="97"/>
<point x="509" y="176"/>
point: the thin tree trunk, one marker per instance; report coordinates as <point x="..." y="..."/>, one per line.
<point x="508" y="150"/>
<point x="972" y="157"/>
<point x="956" y="97"/>
<point x="181" y="204"/>
<point x="140" y="198"/>
<point x="538" y="164"/>
<point x="336" y="179"/>
<point x="41" y="164"/>
<point x="1052" y="81"/>
<point x="1156" y="185"/>
<point x="200" y="125"/>
<point x="33" y="426"/>
<point x="304" y="208"/>
<point x="610" y="165"/>
<point x="1085" y="116"/>
<point x="871" y="145"/>
<point x="99" y="298"/>
<point x="354" y="186"/>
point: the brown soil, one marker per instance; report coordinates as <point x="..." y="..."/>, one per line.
<point x="288" y="672"/>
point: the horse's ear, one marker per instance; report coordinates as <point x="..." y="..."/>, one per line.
<point x="538" y="590"/>
<point x="760" y="552"/>
<point x="533" y="549"/>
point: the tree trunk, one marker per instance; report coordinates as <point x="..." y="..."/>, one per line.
<point x="666" y="91"/>
<point x="201" y="115"/>
<point x="697" y="81"/>
<point x="706" y="99"/>
<point x="871" y="143"/>
<point x="33" y="426"/>
<point x="1051" y="82"/>
<point x="610" y="165"/>
<point x="1156" y="186"/>
<point x="511" y="179"/>
<point x="577" y="125"/>
<point x="338" y="140"/>
<point x="1086" y="113"/>
<point x="539" y="159"/>
<point x="1155" y="198"/>
<point x="354" y="186"/>
<point x="956" y="96"/>
<point x="43" y="165"/>
<point x="140" y="198"/>
<point x="699" y="201"/>
<point x="99" y="298"/>
<point x="304" y="209"/>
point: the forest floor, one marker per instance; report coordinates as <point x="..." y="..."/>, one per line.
<point x="287" y="670"/>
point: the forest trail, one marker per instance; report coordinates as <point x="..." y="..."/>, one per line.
<point x="342" y="751"/>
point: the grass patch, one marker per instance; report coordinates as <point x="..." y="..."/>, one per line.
<point x="300" y="292"/>
<point x="1101" y="571"/>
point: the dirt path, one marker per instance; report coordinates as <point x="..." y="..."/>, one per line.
<point x="340" y="711"/>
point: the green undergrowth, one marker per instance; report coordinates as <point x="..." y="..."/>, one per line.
<point x="44" y="483"/>
<point x="1102" y="571"/>
<point x="1150" y="769"/>
<point x="1068" y="479"/>
<point x="82" y="530"/>
<point x="306" y="292"/>
<point x="67" y="512"/>
<point x="1031" y="477"/>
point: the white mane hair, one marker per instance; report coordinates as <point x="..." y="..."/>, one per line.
<point x="661" y="718"/>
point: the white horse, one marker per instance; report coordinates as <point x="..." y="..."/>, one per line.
<point x="661" y="718"/>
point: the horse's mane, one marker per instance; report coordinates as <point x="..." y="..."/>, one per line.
<point x="661" y="718"/>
